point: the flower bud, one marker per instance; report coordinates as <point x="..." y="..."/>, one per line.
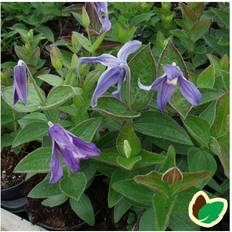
<point x="172" y="175"/>
<point x="127" y="148"/>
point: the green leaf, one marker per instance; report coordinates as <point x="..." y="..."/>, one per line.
<point x="36" y="161"/>
<point x="74" y="185"/>
<point x="85" y="43"/>
<point x="169" y="55"/>
<point x="54" y="200"/>
<point x="199" y="129"/>
<point x="149" y="159"/>
<point x="220" y="147"/>
<point x="47" y="32"/>
<point x="201" y="160"/>
<point x="209" y="113"/>
<point x="209" y="95"/>
<point x="163" y="207"/>
<point x="170" y="159"/>
<point x="51" y="79"/>
<point x="128" y="163"/>
<point x="113" y="196"/>
<point x="137" y="193"/>
<point x="206" y="78"/>
<point x="87" y="128"/>
<point x="59" y="95"/>
<point x="127" y="133"/>
<point x="32" y="117"/>
<point x="108" y="156"/>
<point x="30" y="132"/>
<point x="147" y="222"/>
<point x="221" y="122"/>
<point x="44" y="190"/>
<point x="210" y="211"/>
<point x="180" y="104"/>
<point x="112" y="107"/>
<point x="120" y="209"/>
<point x="98" y="42"/>
<point x="160" y="125"/>
<point x="199" y="29"/>
<point x="84" y="209"/>
<point x="33" y="102"/>
<point x="142" y="66"/>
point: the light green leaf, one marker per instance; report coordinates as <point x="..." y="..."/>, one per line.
<point x="30" y="132"/>
<point x="74" y="185"/>
<point x="47" y="32"/>
<point x="201" y="160"/>
<point x="44" y="190"/>
<point x="51" y="79"/>
<point x="84" y="209"/>
<point x="206" y="78"/>
<point x="36" y="161"/>
<point x="87" y="128"/>
<point x="54" y="200"/>
<point x="85" y="43"/>
<point x="160" y="125"/>
<point x="114" y="108"/>
<point x="199" y="129"/>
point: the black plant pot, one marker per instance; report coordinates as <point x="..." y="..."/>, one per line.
<point x="12" y="198"/>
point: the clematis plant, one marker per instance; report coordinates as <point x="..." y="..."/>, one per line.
<point x="101" y="10"/>
<point x="167" y="84"/>
<point x="20" y="90"/>
<point x="71" y="148"/>
<point x="117" y="69"/>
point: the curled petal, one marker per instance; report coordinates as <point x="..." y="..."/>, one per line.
<point x="117" y="93"/>
<point x="86" y="149"/>
<point x="109" y="78"/>
<point x="20" y="84"/>
<point x="156" y="84"/>
<point x="55" y="166"/>
<point x="189" y="91"/>
<point x="172" y="71"/>
<point x="127" y="49"/>
<point x="164" y="95"/>
<point x="70" y="158"/>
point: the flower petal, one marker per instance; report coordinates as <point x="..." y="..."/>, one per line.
<point x="55" y="166"/>
<point x="189" y="91"/>
<point x="70" y="158"/>
<point x="103" y="15"/>
<point x="104" y="59"/>
<point x="108" y="78"/>
<point x="156" y="84"/>
<point x="86" y="149"/>
<point x="20" y="84"/>
<point x="172" y="71"/>
<point x="164" y="95"/>
<point x="127" y="49"/>
<point x="117" y="93"/>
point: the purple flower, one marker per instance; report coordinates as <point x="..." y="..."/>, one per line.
<point x="117" y="68"/>
<point x="71" y="148"/>
<point x="103" y="16"/>
<point x="167" y="85"/>
<point x="20" y="83"/>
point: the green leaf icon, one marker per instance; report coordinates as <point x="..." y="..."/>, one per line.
<point x="210" y="212"/>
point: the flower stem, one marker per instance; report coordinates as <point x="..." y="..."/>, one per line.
<point x="14" y="120"/>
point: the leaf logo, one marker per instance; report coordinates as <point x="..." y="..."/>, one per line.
<point x="207" y="212"/>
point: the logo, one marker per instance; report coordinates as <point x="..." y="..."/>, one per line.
<point x="207" y="212"/>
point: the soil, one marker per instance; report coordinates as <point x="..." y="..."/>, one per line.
<point x="63" y="218"/>
<point x="9" y="160"/>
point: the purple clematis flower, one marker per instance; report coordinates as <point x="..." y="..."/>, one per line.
<point x="167" y="85"/>
<point x="103" y="16"/>
<point x="117" y="69"/>
<point x="71" y="148"/>
<point x="20" y="83"/>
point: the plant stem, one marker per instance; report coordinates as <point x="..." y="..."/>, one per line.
<point x="14" y="120"/>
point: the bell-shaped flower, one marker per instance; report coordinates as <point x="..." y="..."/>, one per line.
<point x="167" y="83"/>
<point x="101" y="10"/>
<point x="71" y="148"/>
<point x="20" y="89"/>
<point x="117" y="69"/>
